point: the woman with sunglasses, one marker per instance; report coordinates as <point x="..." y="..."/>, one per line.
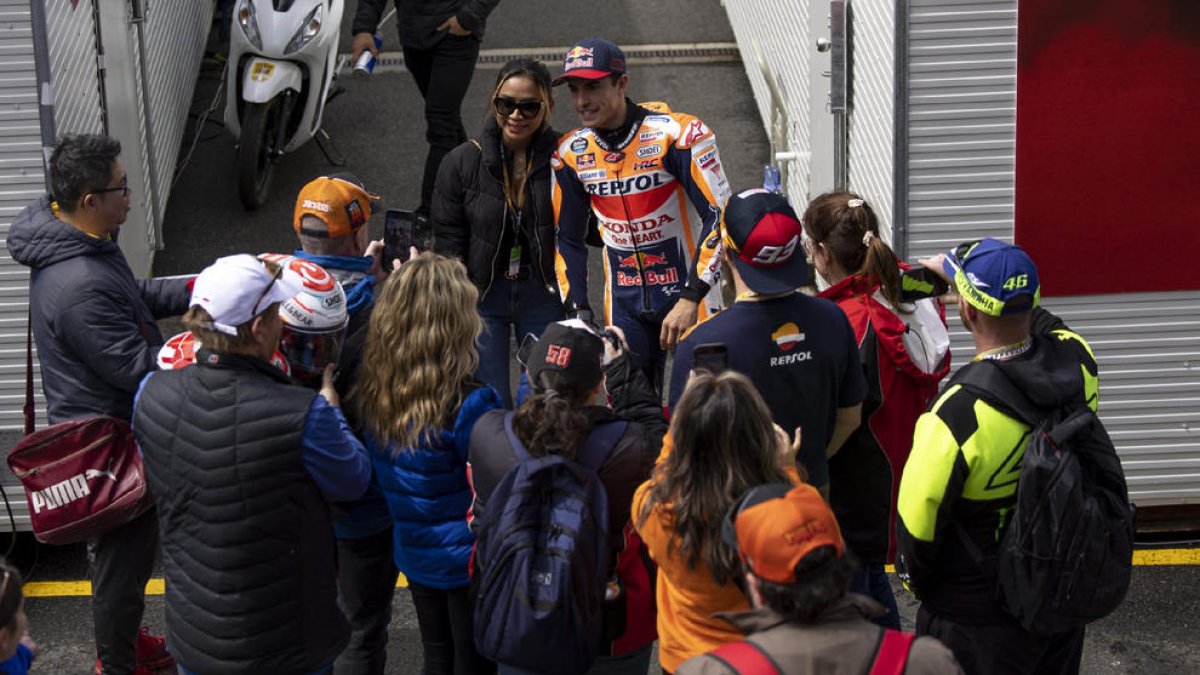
<point x="905" y="351"/>
<point x="491" y="209"/>
<point x="721" y="443"/>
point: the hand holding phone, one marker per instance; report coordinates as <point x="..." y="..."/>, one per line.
<point x="397" y="236"/>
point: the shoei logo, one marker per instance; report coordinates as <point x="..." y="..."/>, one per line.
<point x="70" y="490"/>
<point x="774" y="255"/>
<point x="314" y="205"/>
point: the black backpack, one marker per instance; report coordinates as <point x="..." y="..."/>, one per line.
<point x="541" y="556"/>
<point x="1067" y="552"/>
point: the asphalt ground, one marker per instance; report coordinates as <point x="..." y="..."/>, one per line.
<point x="378" y="125"/>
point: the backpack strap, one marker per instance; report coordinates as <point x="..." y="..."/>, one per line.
<point x="596" y="449"/>
<point x="745" y="658"/>
<point x="892" y="654"/>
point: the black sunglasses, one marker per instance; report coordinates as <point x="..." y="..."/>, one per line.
<point x="274" y="277"/>
<point x="505" y="107"/>
<point x="122" y="188"/>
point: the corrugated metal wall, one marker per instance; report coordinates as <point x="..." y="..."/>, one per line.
<point x="171" y="27"/>
<point x="961" y="107"/>
<point x="872" y="108"/>
<point x="71" y="34"/>
<point x="784" y="43"/>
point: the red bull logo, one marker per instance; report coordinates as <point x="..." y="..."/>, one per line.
<point x="579" y="52"/>
<point x="652" y="278"/>
<point x="647" y="260"/>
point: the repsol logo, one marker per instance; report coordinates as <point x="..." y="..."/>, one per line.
<point x="788" y="359"/>
<point x="624" y="186"/>
<point x="60" y="494"/>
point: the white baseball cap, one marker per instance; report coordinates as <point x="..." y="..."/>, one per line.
<point x="237" y="288"/>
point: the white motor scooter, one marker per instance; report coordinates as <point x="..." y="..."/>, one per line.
<point x="282" y="60"/>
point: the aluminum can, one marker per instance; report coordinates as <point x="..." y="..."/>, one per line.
<point x="366" y="61"/>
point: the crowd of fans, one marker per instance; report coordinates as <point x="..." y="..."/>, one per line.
<point x="745" y="525"/>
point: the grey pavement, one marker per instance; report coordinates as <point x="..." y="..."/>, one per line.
<point x="378" y="124"/>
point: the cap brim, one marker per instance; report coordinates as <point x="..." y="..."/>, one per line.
<point x="582" y="74"/>
<point x="789" y="276"/>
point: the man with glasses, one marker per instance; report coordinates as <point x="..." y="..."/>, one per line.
<point x="96" y="335"/>
<point x="243" y="463"/>
<point x="653" y="180"/>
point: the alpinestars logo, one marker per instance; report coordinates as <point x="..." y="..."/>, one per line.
<point x="67" y="491"/>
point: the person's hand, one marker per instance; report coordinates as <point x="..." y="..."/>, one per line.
<point x="453" y="26"/>
<point x="30" y="644"/>
<point x="375" y="252"/>
<point x="327" y="389"/>
<point x="787" y="449"/>
<point x="362" y="42"/>
<point x="613" y="352"/>
<point x="681" y="317"/>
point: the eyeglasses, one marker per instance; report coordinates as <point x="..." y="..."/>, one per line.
<point x="274" y="278"/>
<point x="123" y="188"/>
<point x="505" y="106"/>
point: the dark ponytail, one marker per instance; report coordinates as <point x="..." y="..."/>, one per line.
<point x="851" y="235"/>
<point x="552" y="421"/>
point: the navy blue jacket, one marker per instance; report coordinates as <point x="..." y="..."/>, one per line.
<point x="428" y="495"/>
<point x="94" y="324"/>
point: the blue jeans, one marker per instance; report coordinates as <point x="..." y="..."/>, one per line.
<point x="872" y="581"/>
<point x="525" y="305"/>
<point x="636" y="662"/>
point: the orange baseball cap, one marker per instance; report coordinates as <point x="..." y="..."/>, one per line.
<point x="774" y="526"/>
<point x="340" y="202"/>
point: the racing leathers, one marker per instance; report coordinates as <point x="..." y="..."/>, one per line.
<point x="656" y="189"/>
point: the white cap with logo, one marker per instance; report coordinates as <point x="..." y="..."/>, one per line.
<point x="237" y="288"/>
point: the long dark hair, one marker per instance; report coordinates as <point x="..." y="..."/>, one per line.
<point x="10" y="594"/>
<point x="832" y="221"/>
<point x="529" y="69"/>
<point x="552" y="421"/>
<point x="724" y="444"/>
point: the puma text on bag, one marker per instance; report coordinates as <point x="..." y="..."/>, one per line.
<point x="1067" y="553"/>
<point x="541" y="559"/>
<point x="81" y="478"/>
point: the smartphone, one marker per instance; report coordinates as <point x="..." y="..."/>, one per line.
<point x="920" y="283"/>
<point x="712" y="357"/>
<point x="397" y="235"/>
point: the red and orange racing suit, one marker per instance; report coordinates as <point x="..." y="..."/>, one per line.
<point x="657" y="196"/>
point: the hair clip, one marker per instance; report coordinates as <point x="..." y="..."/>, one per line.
<point x="854" y="203"/>
<point x="868" y="236"/>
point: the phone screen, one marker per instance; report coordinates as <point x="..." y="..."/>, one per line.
<point x="920" y="283"/>
<point x="711" y="357"/>
<point x="397" y="235"/>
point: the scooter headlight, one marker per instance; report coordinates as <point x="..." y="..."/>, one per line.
<point x="248" y="20"/>
<point x="308" y="30"/>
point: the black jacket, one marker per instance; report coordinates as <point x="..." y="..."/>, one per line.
<point x="469" y="207"/>
<point x="248" y="550"/>
<point x="92" y="321"/>
<point x="417" y="20"/>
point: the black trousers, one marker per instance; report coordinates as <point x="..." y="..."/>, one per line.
<point x="443" y="74"/>
<point x="447" y="632"/>
<point x="121" y="562"/>
<point x="366" y="585"/>
<point x="1004" y="649"/>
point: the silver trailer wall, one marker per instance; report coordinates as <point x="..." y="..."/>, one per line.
<point x="961" y="108"/>
<point x="120" y="68"/>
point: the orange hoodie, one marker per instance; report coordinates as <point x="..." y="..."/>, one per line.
<point x="687" y="599"/>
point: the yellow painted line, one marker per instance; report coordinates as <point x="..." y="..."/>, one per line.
<point x="83" y="589"/>
<point x="1167" y="556"/>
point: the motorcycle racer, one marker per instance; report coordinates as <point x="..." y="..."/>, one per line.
<point x="653" y="180"/>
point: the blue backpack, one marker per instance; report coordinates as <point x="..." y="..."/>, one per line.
<point x="541" y="558"/>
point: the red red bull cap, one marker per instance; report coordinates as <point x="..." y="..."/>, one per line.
<point x="592" y="59"/>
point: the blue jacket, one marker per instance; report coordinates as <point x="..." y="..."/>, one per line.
<point x="429" y="495"/>
<point x="93" y="322"/>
